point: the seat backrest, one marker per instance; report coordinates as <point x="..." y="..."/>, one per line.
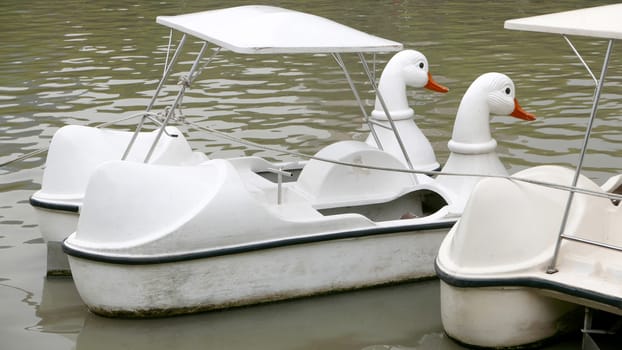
<point x="328" y="184"/>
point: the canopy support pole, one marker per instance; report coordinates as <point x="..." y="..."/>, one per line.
<point x="167" y="72"/>
<point x="341" y="64"/>
<point x="386" y="111"/>
<point x="552" y="266"/>
<point x="185" y="83"/>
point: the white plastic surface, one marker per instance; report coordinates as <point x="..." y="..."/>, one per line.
<point x="268" y="29"/>
<point x="600" y="22"/>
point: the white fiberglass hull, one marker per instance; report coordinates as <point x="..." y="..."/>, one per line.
<point x="156" y="240"/>
<point x="193" y="284"/>
<point x="55" y="225"/>
<point x="503" y="317"/>
<point x="498" y="289"/>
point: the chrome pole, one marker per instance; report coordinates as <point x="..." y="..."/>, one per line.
<point x="184" y="85"/>
<point x="552" y="266"/>
<point x="165" y="76"/>
<point x="386" y="111"/>
<point x="341" y="64"/>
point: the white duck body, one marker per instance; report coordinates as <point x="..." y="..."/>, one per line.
<point x="406" y="68"/>
<point x="473" y="150"/>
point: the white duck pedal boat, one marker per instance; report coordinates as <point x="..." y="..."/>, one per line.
<point x="234" y="240"/>
<point x="528" y="254"/>
<point x="192" y="235"/>
<point x="188" y="237"/>
<point x="83" y="149"/>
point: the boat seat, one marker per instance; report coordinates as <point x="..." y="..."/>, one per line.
<point x="75" y="152"/>
<point x="330" y="185"/>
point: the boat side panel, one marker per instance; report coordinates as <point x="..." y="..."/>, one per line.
<point x="56" y="225"/>
<point x="254" y="277"/>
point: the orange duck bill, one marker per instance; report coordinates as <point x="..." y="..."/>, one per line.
<point x="520" y="113"/>
<point x="434" y="86"/>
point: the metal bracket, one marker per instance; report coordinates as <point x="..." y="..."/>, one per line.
<point x="279" y="179"/>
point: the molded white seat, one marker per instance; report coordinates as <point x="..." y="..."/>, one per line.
<point x="328" y="184"/>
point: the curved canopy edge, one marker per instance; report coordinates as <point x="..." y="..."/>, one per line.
<point x="600" y="22"/>
<point x="268" y="29"/>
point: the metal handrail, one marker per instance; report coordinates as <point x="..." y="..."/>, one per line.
<point x="552" y="266"/>
<point x="600" y="194"/>
<point x="592" y="242"/>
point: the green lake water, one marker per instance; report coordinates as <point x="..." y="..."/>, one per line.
<point x="88" y="62"/>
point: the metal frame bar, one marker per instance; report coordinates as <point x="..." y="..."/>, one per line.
<point x="552" y="266"/>
<point x="581" y="59"/>
<point x="167" y="72"/>
<point x="341" y="64"/>
<point x="592" y="242"/>
<point x="379" y="124"/>
<point x="279" y="178"/>
<point x="386" y="110"/>
<point x="184" y="85"/>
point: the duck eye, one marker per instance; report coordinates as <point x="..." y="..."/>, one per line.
<point x="507" y="91"/>
<point x="421" y="65"/>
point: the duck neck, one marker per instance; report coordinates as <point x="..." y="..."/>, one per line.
<point x="471" y="133"/>
<point x="392" y="88"/>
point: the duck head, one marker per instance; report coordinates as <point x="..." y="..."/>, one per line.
<point x="472" y="147"/>
<point x="490" y="94"/>
<point x="406" y="68"/>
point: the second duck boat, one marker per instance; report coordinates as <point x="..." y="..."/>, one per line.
<point x="161" y="238"/>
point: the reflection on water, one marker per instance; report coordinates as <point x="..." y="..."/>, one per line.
<point x="87" y="62"/>
<point x="61" y="310"/>
<point x="401" y="317"/>
<point x="343" y="321"/>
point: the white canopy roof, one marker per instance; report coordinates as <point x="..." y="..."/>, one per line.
<point x="600" y="22"/>
<point x="267" y="29"/>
